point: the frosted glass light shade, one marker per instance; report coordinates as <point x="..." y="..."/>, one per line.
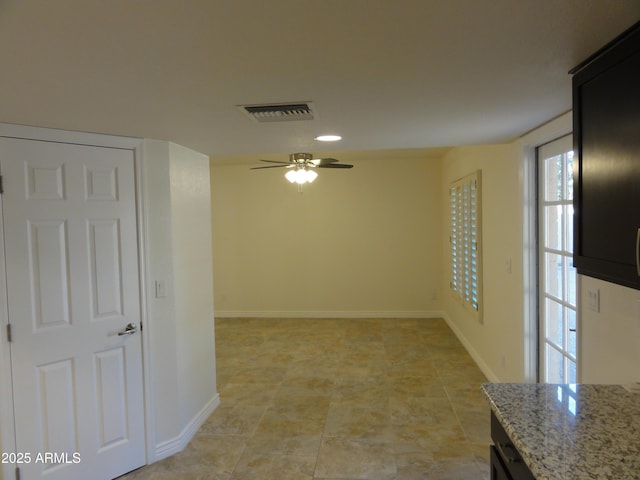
<point x="301" y="176"/>
<point x="311" y="176"/>
<point x="291" y="175"/>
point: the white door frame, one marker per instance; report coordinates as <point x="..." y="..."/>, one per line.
<point x="556" y="128"/>
<point x="7" y="425"/>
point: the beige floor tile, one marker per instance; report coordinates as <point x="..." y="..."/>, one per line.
<point x="363" y="391"/>
<point x="416" y="386"/>
<point x="234" y="420"/>
<point x="256" y="394"/>
<point x="426" y="438"/>
<point x="425" y="410"/>
<point x="283" y="426"/>
<point x="476" y="426"/>
<point x="298" y="444"/>
<point x="358" y="422"/>
<point x="260" y="374"/>
<point x="259" y="466"/>
<point x="207" y="456"/>
<point x="338" y="399"/>
<point x="356" y="459"/>
<point x="426" y="466"/>
<point x="299" y="383"/>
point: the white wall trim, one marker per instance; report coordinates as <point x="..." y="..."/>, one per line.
<point x="177" y="444"/>
<point x="143" y="266"/>
<point x="528" y="182"/>
<point x="7" y="431"/>
<point x="67" y="136"/>
<point x="491" y="376"/>
<point x="328" y="314"/>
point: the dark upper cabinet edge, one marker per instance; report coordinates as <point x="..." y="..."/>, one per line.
<point x="621" y="54"/>
<point x="614" y="52"/>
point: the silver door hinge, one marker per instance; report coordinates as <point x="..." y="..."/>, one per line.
<point x="1" y="185"/>
<point x="9" y="338"/>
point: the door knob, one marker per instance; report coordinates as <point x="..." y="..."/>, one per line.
<point x="129" y="329"/>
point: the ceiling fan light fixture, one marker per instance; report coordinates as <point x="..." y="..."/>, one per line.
<point x="301" y="167"/>
<point x="301" y="176"/>
<point x="328" y="138"/>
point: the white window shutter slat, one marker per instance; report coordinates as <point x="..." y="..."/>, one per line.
<point x="465" y="241"/>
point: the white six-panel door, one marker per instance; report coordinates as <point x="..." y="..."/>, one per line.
<point x="72" y="285"/>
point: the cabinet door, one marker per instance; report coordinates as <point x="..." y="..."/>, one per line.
<point x="498" y="470"/>
<point x="607" y="139"/>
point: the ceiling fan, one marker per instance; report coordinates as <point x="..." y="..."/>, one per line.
<point x="301" y="167"/>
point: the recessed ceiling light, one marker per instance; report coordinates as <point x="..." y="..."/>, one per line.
<point x="329" y="138"/>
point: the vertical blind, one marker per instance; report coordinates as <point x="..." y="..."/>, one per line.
<point x="465" y="240"/>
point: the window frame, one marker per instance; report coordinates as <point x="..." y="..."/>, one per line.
<point x="465" y="242"/>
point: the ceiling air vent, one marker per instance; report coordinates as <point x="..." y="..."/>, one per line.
<point x="284" y="112"/>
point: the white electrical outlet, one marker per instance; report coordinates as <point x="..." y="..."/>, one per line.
<point x="593" y="300"/>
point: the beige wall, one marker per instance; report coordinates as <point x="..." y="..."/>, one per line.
<point x="610" y="338"/>
<point x="358" y="242"/>
<point x="496" y="344"/>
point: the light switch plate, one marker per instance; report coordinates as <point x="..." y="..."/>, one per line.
<point x="161" y="288"/>
<point x="593" y="300"/>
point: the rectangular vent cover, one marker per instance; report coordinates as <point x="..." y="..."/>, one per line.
<point x="284" y="112"/>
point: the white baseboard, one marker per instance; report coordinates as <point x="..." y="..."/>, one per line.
<point x="177" y="444"/>
<point x="491" y="377"/>
<point x="330" y="314"/>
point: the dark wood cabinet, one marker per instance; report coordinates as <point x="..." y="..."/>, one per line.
<point x="506" y="462"/>
<point x="606" y="129"/>
<point x="498" y="470"/>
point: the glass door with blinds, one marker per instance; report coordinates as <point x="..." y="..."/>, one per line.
<point x="556" y="273"/>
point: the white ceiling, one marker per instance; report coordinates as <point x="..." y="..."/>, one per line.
<point x="385" y="74"/>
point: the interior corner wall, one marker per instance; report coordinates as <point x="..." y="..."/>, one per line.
<point x="497" y="343"/>
<point x="180" y="324"/>
<point x="192" y="280"/>
<point x="161" y="314"/>
<point x="355" y="243"/>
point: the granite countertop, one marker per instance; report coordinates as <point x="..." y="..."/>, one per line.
<point x="571" y="432"/>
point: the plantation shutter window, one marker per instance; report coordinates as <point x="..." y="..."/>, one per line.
<point x="465" y="241"/>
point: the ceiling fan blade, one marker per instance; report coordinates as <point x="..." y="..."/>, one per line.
<point x="318" y="162"/>
<point x="276" y="161"/>
<point x="335" y="165"/>
<point x="270" y="166"/>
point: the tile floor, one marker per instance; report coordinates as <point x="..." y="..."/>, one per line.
<point x="319" y="399"/>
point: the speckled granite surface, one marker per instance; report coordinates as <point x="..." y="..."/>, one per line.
<point x="571" y="432"/>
